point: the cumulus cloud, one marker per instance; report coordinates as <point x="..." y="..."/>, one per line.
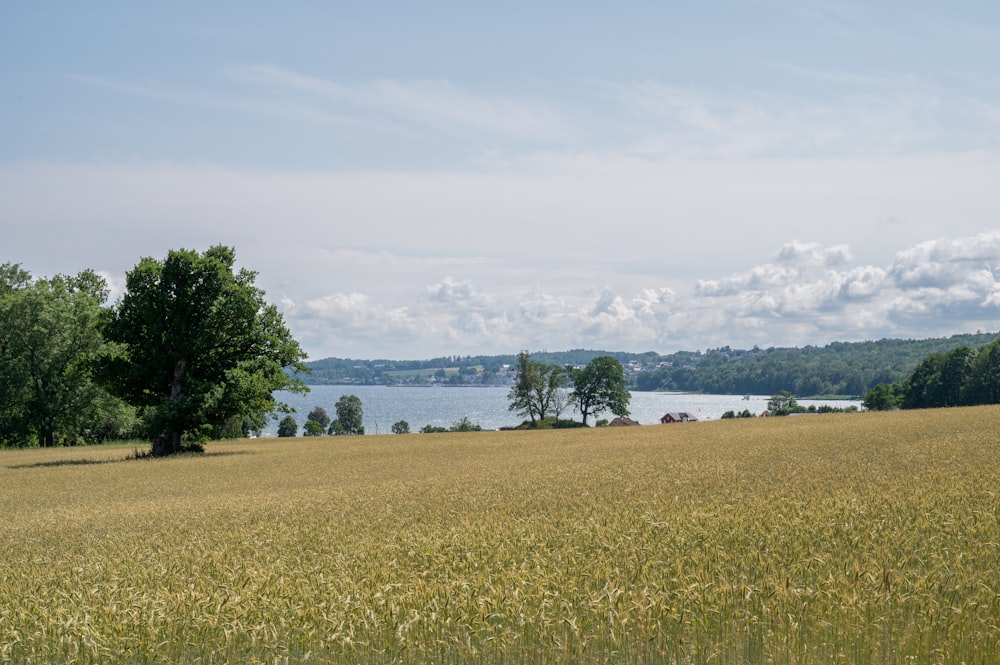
<point x="809" y="294"/>
<point x="946" y="262"/>
<point x="451" y="292"/>
<point x="813" y="254"/>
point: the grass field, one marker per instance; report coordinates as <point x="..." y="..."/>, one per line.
<point x="844" y="538"/>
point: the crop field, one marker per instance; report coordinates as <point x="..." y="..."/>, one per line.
<point x="842" y="538"/>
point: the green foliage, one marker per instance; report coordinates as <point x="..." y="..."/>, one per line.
<point x="197" y="345"/>
<point x="49" y="332"/>
<point x="313" y="428"/>
<point x="884" y="397"/>
<point x="550" y="423"/>
<point x="320" y="416"/>
<point x="317" y="422"/>
<point x="465" y="425"/>
<point x="538" y="389"/>
<point x="350" y="416"/>
<point x="288" y="427"/>
<point x="600" y="386"/>
<point x="839" y="368"/>
<point x="782" y="404"/>
<point x="401" y="427"/>
<point x="745" y="413"/>
<point x="432" y="429"/>
<point x="961" y="377"/>
<point x="562" y="423"/>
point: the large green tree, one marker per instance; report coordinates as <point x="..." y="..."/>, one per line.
<point x="199" y="347"/>
<point x="48" y="334"/>
<point x="600" y="386"/>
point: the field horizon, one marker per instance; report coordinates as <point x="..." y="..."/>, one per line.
<point x="841" y="538"/>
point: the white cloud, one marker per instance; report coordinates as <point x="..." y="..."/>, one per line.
<point x="646" y="256"/>
<point x="947" y="262"/>
<point x="431" y="104"/>
<point x="812" y="254"/>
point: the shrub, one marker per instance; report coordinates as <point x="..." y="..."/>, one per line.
<point x="465" y="425"/>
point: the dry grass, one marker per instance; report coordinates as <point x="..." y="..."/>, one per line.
<point x="865" y="538"/>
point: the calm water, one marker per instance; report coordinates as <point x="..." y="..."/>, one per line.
<point x="487" y="407"/>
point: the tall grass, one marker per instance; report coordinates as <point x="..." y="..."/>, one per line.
<point x="865" y="538"/>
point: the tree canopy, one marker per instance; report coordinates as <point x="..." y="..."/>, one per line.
<point x="48" y="335"/>
<point x="537" y="390"/>
<point x="350" y="416"/>
<point x="600" y="386"/>
<point x="198" y="347"/>
<point x="960" y="377"/>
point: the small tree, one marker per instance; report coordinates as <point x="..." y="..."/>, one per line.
<point x="401" y="427"/>
<point x="350" y="416"/>
<point x="782" y="404"/>
<point x="288" y="427"/>
<point x="465" y="425"/>
<point x="312" y="428"/>
<point x="316" y="422"/>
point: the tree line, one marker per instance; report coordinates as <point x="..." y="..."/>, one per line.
<point x="190" y="352"/>
<point x="966" y="376"/>
<point x="848" y="369"/>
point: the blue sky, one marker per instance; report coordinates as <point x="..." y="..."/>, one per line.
<point x="420" y="179"/>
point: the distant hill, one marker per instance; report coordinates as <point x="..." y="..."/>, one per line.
<point x="839" y="368"/>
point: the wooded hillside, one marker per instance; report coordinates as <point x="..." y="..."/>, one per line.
<point x="839" y="368"/>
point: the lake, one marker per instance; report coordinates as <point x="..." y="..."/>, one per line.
<point x="487" y="406"/>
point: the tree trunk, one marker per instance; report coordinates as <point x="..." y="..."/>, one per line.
<point x="169" y="442"/>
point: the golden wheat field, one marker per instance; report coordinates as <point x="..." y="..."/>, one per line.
<point x="843" y="538"/>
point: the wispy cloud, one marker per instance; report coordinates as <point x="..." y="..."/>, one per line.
<point x="845" y="114"/>
<point x="437" y="105"/>
<point x="899" y="117"/>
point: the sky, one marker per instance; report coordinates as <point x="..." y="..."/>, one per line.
<point x="413" y="180"/>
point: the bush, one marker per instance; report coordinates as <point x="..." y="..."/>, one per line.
<point x="401" y="427"/>
<point x="465" y="425"/>
<point x="550" y="423"/>
<point x="432" y="429"/>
